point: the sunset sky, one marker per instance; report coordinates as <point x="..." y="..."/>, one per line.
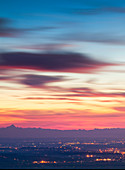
<point x="62" y="63"/>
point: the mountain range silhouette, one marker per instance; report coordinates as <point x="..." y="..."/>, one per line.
<point x="18" y="132"/>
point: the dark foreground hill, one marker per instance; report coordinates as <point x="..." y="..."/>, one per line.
<point x="17" y="132"/>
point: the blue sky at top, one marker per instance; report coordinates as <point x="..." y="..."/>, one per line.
<point x="83" y="23"/>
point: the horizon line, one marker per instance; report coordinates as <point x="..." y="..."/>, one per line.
<point x="12" y="125"/>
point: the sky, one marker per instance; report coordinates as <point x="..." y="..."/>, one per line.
<point x="62" y="64"/>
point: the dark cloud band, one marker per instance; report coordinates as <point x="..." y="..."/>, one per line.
<point x="58" y="62"/>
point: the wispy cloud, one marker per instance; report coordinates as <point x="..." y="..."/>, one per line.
<point x="51" y="98"/>
<point x="9" y="31"/>
<point x="89" y="92"/>
<point x="43" y="47"/>
<point x="120" y="108"/>
<point x="38" y="81"/>
<point x="106" y="38"/>
<point x="99" y="10"/>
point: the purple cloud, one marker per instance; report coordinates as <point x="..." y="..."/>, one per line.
<point x="37" y="81"/>
<point x="57" y="62"/>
